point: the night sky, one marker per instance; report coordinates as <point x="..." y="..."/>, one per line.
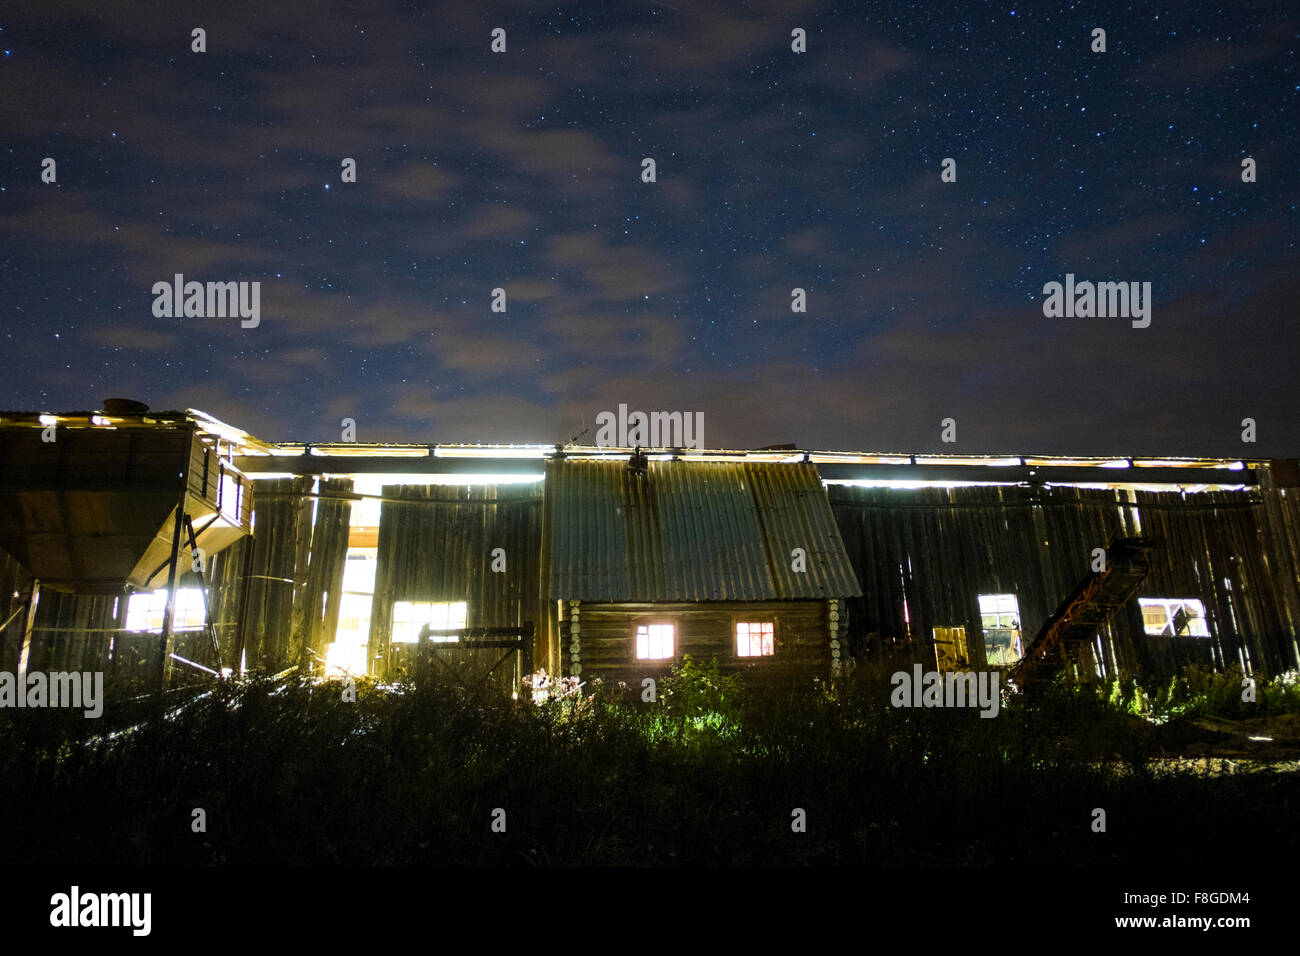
<point x="775" y="170"/>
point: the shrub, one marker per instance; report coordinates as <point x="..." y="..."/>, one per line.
<point x="700" y="693"/>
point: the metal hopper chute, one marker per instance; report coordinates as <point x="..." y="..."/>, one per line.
<point x="116" y="500"/>
<point x="88" y="501"/>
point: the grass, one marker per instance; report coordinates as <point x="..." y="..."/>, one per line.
<point x="710" y="773"/>
<point x="1200" y="692"/>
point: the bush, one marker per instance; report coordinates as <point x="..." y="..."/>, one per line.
<point x="1200" y="692"/>
<point x="701" y="694"/>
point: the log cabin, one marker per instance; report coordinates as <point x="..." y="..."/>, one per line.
<point x="735" y="560"/>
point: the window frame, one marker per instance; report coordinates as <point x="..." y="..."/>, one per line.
<point x="419" y="625"/>
<point x="162" y="612"/>
<point x="737" y="620"/>
<point x="1017" y="617"/>
<point x="647" y="622"/>
<point x="1165" y="603"/>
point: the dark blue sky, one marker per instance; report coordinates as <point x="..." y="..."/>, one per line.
<point x="775" y="170"/>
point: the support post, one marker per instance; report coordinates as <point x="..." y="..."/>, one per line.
<point x="526" y="651"/>
<point x="29" y="625"/>
<point x="243" y="605"/>
<point x="168" y="641"/>
<point x="203" y="590"/>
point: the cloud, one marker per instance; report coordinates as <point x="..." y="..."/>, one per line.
<point x="645" y="338"/>
<point x="415" y="181"/>
<point x="522" y="170"/>
<point x="133" y="338"/>
<point x="499" y="222"/>
<point x="611" y="273"/>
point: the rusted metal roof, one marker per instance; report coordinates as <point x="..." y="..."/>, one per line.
<point x="692" y="531"/>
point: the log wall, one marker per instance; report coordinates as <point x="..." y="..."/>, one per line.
<point x="606" y="638"/>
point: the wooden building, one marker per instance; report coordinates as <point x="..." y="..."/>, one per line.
<point x="944" y="557"/>
<point x="735" y="560"/>
<point x="488" y="562"/>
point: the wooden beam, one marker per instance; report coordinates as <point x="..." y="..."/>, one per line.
<point x="833" y="471"/>
<point x="29" y="625"/>
<point x="168" y="640"/>
<point x="386" y="465"/>
<point x="1026" y="474"/>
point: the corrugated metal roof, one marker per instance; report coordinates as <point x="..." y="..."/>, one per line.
<point x="692" y="531"/>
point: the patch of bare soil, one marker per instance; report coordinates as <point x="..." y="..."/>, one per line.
<point x="1215" y="745"/>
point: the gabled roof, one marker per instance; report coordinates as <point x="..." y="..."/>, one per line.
<point x="692" y="531"/>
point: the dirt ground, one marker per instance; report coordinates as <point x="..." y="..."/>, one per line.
<point x="1214" y="745"/>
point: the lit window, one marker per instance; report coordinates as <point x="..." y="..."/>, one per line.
<point x="1184" y="617"/>
<point x="409" y="618"/>
<point x="144" y="611"/>
<point x="754" y="640"/>
<point x="951" y="652"/>
<point x="232" y="494"/>
<point x="1000" y="617"/>
<point x="654" y="642"/>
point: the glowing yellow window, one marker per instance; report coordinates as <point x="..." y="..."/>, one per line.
<point x="755" y="639"/>
<point x="655" y="642"/>
<point x="409" y="618"/>
<point x="144" y="610"/>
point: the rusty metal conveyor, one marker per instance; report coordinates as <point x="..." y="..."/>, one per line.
<point x="1088" y="608"/>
